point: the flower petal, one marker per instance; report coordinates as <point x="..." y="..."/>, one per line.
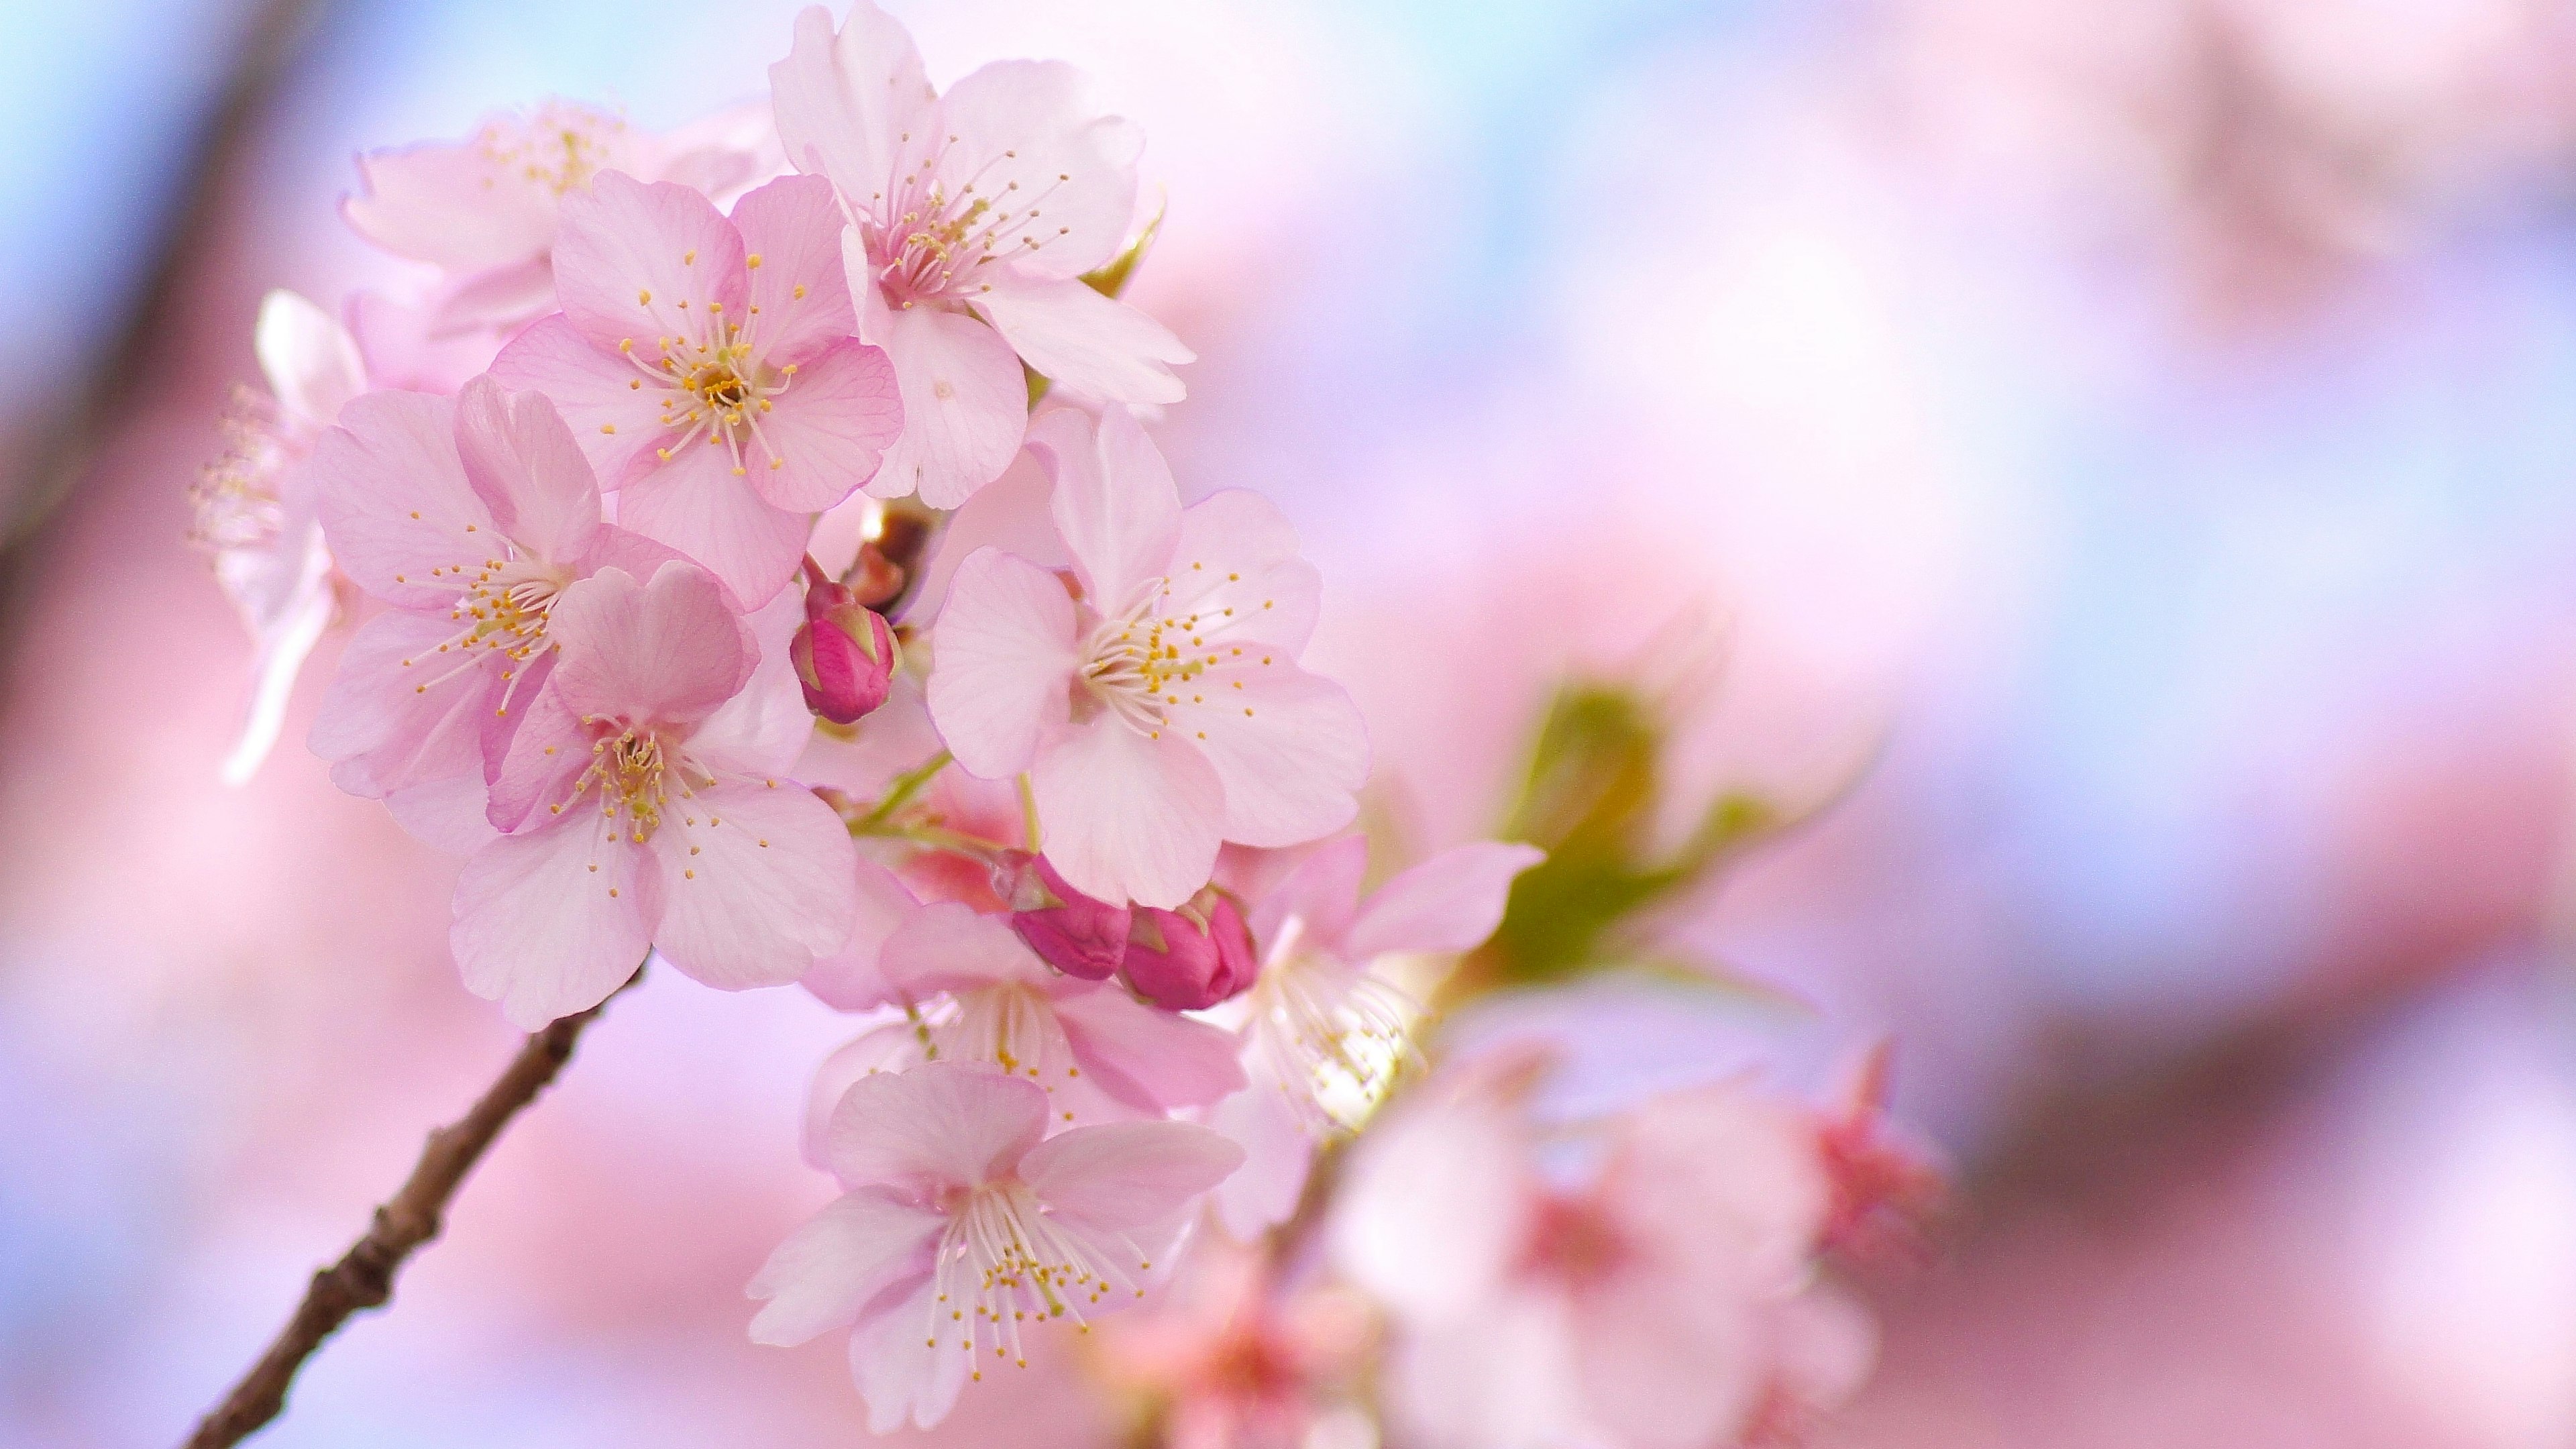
<point x="890" y="1048"/>
<point x="1115" y="503"/>
<point x="829" y="430"/>
<point x="618" y="424"/>
<point x="800" y="291"/>
<point x="551" y="923"/>
<point x="1154" y="1061"/>
<point x="523" y="463"/>
<point x="394" y="501"/>
<point x="842" y="99"/>
<point x="965" y="400"/>
<point x="764" y="729"/>
<point x="1128" y="1174"/>
<point x="948" y="947"/>
<point x="399" y="712"/>
<point x="698" y="504"/>
<point x="849" y="979"/>
<point x="1002" y="658"/>
<point x="451" y="204"/>
<point x="310" y="360"/>
<point x="1095" y="345"/>
<point x="1451" y="902"/>
<point x="1023" y="128"/>
<point x="1323" y="892"/>
<point x="635" y="262"/>
<point x="901" y="1373"/>
<point x="1291" y="751"/>
<point x="666" y="649"/>
<point x="939" y="1125"/>
<point x="1278" y="1153"/>
<point x="837" y="1261"/>
<point x="1248" y="583"/>
<point x="1127" y="817"/>
<point x="756" y="886"/>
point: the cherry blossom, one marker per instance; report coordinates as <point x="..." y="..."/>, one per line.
<point x="643" y="806"/>
<point x="256" y="507"/>
<point x="470" y="518"/>
<point x="485" y="210"/>
<point x="707" y="366"/>
<point x="975" y="215"/>
<point x="973" y="991"/>
<point x="1161" y="712"/>
<point x="1325" y="1031"/>
<point x="1242" y="1359"/>
<point x="962" y="1231"/>
<point x="1661" y="1301"/>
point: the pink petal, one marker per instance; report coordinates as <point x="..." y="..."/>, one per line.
<point x="756" y="886"/>
<point x="1002" y="660"/>
<point x="283" y="644"/>
<point x="498" y="299"/>
<point x="449" y="204"/>
<point x="889" y="1048"/>
<point x="444" y="814"/>
<point x="940" y="1125"/>
<point x="1451" y="902"/>
<point x="1115" y="502"/>
<point x="800" y="292"/>
<point x="1323" y="892"/>
<point x="764" y="729"/>
<point x="1097" y="346"/>
<point x="849" y="979"/>
<point x="533" y="773"/>
<point x="1028" y="121"/>
<point x="699" y="505"/>
<point x="1263" y="1193"/>
<point x="618" y="424"/>
<point x="842" y="99"/>
<point x="394" y="501"/>
<point x="630" y="254"/>
<point x="667" y="649"/>
<point x="1720" y="1170"/>
<point x="538" y="928"/>
<point x="1154" y="1061"/>
<point x="524" y="465"/>
<point x="1291" y="752"/>
<point x="1665" y="1360"/>
<point x="1127" y="817"/>
<point x="836" y="1262"/>
<point x="310" y="360"/>
<point x="1435" y="1207"/>
<point x="900" y="1373"/>
<point x="830" y="429"/>
<point x="1251" y="567"/>
<point x="948" y="947"/>
<point x="393" y="725"/>
<point x="1127" y="1174"/>
<point x="965" y="400"/>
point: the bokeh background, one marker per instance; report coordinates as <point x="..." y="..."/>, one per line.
<point x="2138" y="433"/>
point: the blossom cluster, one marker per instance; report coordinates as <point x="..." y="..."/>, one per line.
<point x="695" y="621"/>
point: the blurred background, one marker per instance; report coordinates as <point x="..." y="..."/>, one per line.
<point x="2136" y="433"/>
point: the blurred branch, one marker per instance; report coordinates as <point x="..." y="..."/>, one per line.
<point x="364" y="1276"/>
<point x="69" y="440"/>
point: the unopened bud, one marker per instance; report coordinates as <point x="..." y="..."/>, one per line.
<point x="844" y="654"/>
<point x="1193" y="957"/>
<point x="1070" y="931"/>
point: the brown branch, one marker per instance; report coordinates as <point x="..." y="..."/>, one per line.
<point x="364" y="1276"/>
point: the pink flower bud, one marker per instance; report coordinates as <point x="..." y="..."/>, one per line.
<point x="1196" y="956"/>
<point x="843" y="652"/>
<point x="1069" y="930"/>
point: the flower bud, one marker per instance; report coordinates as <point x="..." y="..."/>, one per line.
<point x="1194" y="957"/>
<point x="843" y="652"/>
<point x="1070" y="931"/>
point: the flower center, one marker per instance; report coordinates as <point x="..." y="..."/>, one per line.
<point x="1572" y="1241"/>
<point x="634" y="771"/>
<point x="236" y="495"/>
<point x="929" y="242"/>
<point x="1003" y="1260"/>
<point x="714" y="387"/>
<point x="559" y="145"/>
<point x="1328" y="1034"/>
<point x="501" y="608"/>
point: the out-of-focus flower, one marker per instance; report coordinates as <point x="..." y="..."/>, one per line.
<point x="1326" y="1032"/>
<point x="973" y="992"/>
<point x="1231" y="1358"/>
<point x="1191" y="958"/>
<point x="257" y="509"/>
<point x="1880" y="1190"/>
<point x="1072" y="932"/>
<point x="844" y="653"/>
<point x="471" y="518"/>
<point x="707" y="366"/>
<point x="1163" y="712"/>
<point x="962" y="1230"/>
<point x="1660" y="1300"/>
<point x="486" y="210"/>
<point x="976" y="215"/>
<point x="642" y="789"/>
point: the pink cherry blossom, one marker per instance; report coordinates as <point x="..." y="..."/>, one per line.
<point x="470" y="518"/>
<point x="962" y="1231"/>
<point x="1162" y="712"/>
<point x="707" y="366"/>
<point x="1661" y="1300"/>
<point x="973" y="991"/>
<point x="975" y="215"/>
<point x="486" y="210"/>
<point x="1241" y="1359"/>
<point x="1324" y="1030"/>
<point x="644" y="805"/>
<point x="257" y="508"/>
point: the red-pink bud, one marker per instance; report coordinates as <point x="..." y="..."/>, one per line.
<point x="1194" y="957"/>
<point x="1070" y="931"/>
<point x="843" y="652"/>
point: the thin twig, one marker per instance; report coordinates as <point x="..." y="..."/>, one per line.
<point x="364" y="1276"/>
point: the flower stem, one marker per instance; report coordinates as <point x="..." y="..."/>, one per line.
<point x="1029" y="814"/>
<point x="364" y="1276"/>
